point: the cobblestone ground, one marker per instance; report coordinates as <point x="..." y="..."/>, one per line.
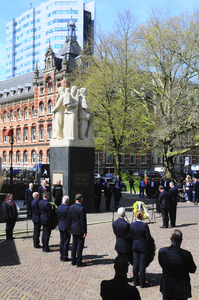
<point x="28" y="273"/>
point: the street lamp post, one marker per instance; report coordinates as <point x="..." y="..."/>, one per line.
<point x="11" y="157"/>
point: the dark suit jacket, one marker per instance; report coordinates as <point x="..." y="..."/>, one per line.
<point x="118" y="289"/>
<point x="176" y="263"/>
<point x="28" y="195"/>
<point x="63" y="217"/>
<point x="140" y="234"/>
<point x="45" y="212"/>
<point x="35" y="211"/>
<point x="5" y="208"/>
<point x="173" y="194"/>
<point x="121" y="230"/>
<point x="41" y="190"/>
<point x="78" y="219"/>
<point x="164" y="199"/>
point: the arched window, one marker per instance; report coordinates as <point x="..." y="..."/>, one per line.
<point x="49" y="107"/>
<point x="25" y="156"/>
<point x="26" y="113"/>
<point x="33" y="156"/>
<point x="25" y="134"/>
<point x="40" y="156"/>
<point x="18" y="131"/>
<point x="41" y="132"/>
<point x="49" y="85"/>
<point x="18" y="114"/>
<point x="4" y="157"/>
<point x="49" y="131"/>
<point x="4" y="116"/>
<point x="18" y="157"/>
<point x="49" y="63"/>
<point x="41" y="91"/>
<point x="10" y="157"/>
<point x="4" y="137"/>
<point x="11" y="115"/>
<point x="33" y="133"/>
<point x="34" y="114"/>
<point x="41" y="109"/>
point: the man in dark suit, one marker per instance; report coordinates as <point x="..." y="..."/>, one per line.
<point x="173" y="194"/>
<point x="97" y="194"/>
<point x="78" y="230"/>
<point x="121" y="230"/>
<point x="45" y="217"/>
<point x="57" y="192"/>
<point x="164" y="205"/>
<point x="43" y="188"/>
<point x="176" y="263"/>
<point x="63" y="220"/>
<point x="28" y="198"/>
<point x="36" y="219"/>
<point x="118" y="287"/>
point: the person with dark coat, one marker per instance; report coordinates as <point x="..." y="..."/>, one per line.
<point x="121" y="231"/>
<point x="63" y="220"/>
<point x="118" y="287"/>
<point x="141" y="237"/>
<point x="36" y="219"/>
<point x="176" y="265"/>
<point x="45" y="217"/>
<point x="10" y="215"/>
<point x="78" y="226"/>
<point x="166" y="184"/>
<point x="42" y="189"/>
<point x="117" y="194"/>
<point x="98" y="194"/>
<point x="131" y="183"/>
<point x="173" y="195"/>
<point x="57" y="192"/>
<point x="164" y="205"/>
<point x="108" y="194"/>
<point x="28" y="199"/>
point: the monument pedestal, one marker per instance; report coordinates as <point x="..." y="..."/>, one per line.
<point x="74" y="165"/>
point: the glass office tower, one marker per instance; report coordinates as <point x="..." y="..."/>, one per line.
<point x="28" y="36"/>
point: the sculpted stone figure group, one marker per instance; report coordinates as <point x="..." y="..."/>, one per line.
<point x="72" y="118"/>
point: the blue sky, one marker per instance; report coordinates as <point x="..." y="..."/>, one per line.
<point x="106" y="14"/>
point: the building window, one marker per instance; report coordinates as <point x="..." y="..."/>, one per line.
<point x="49" y="85"/>
<point x="33" y="157"/>
<point x="143" y="159"/>
<point x="41" y="132"/>
<point x="4" y="157"/>
<point x="18" y="135"/>
<point x="49" y="131"/>
<point x="10" y="157"/>
<point x="48" y="156"/>
<point x="4" y="116"/>
<point x="34" y="114"/>
<point x="180" y="159"/>
<point x="41" y="109"/>
<point x="197" y="159"/>
<point x="33" y="133"/>
<point x="122" y="159"/>
<point x="25" y="157"/>
<point x="41" y="91"/>
<point x="11" y="115"/>
<point x="40" y="156"/>
<point x="49" y="107"/>
<point x="96" y="157"/>
<point x="109" y="158"/>
<point x="18" y="114"/>
<point x="26" y="134"/>
<point x="18" y="157"/>
<point x="4" y="137"/>
<point x="26" y="113"/>
<point x="132" y="158"/>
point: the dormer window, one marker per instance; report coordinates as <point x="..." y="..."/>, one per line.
<point x="6" y="93"/>
<point x="27" y="87"/>
<point x="20" y="89"/>
<point x="49" y="63"/>
<point x="1" y="94"/>
<point x="13" y="91"/>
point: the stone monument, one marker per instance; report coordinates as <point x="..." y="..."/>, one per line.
<point x="72" y="145"/>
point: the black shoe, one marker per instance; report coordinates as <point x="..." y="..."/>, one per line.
<point x="66" y="259"/>
<point x="73" y="263"/>
<point x="47" y="250"/>
<point x="80" y="265"/>
<point x="145" y="285"/>
<point x="162" y="227"/>
<point x="38" y="246"/>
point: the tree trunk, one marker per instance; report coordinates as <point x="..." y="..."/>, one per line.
<point x="169" y="170"/>
<point x="117" y="164"/>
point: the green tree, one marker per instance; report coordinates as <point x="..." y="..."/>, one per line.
<point x="169" y="55"/>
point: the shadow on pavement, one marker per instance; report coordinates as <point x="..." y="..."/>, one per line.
<point x="186" y="225"/>
<point x="153" y="279"/>
<point x="8" y="254"/>
<point x="92" y="260"/>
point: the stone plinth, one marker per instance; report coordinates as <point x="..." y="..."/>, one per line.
<point x="75" y="165"/>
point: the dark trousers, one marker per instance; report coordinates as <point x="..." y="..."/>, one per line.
<point x="10" y="224"/>
<point x="172" y="214"/>
<point x="46" y="237"/>
<point x="64" y="244"/>
<point x="29" y="210"/>
<point x="108" y="202"/>
<point x="36" y="234"/>
<point x="97" y="203"/>
<point x="171" y="298"/>
<point x="58" y="201"/>
<point x="77" y="247"/>
<point x="165" y="216"/>
<point x="139" y="261"/>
